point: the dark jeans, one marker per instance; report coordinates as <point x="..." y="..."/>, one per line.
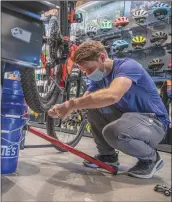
<point x="135" y="134"/>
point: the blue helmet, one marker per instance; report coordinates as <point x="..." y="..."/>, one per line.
<point x="120" y="45"/>
<point x="160" y="10"/>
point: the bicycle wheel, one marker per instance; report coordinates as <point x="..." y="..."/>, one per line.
<point x="42" y="92"/>
<point x="68" y="134"/>
<point x="71" y="130"/>
<point x="40" y="98"/>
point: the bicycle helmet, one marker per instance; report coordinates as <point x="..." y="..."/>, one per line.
<point x="160" y="10"/>
<point x="120" y="45"/>
<point x="121" y="22"/>
<point x="156" y="64"/>
<point x="158" y="38"/>
<point x="106" y="25"/>
<point x="140" y="16"/>
<point x="91" y="30"/>
<point x="138" y="42"/>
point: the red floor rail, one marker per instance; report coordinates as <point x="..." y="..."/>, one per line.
<point x="56" y="142"/>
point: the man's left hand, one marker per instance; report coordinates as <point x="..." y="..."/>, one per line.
<point x="60" y="110"/>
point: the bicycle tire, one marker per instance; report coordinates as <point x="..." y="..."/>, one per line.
<point x="55" y="40"/>
<point x="51" y="122"/>
<point x="32" y="97"/>
<point x="51" y="132"/>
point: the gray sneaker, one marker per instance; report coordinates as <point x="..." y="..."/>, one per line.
<point x="110" y="159"/>
<point x="146" y="169"/>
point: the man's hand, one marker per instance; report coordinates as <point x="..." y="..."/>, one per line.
<point x="61" y="110"/>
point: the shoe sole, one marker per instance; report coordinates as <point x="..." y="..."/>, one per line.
<point x="92" y="165"/>
<point x="157" y="167"/>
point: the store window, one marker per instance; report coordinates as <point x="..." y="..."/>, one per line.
<point x="145" y="5"/>
<point x="108" y="11"/>
<point x="96" y="12"/>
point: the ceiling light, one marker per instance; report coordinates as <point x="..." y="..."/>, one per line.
<point x="87" y="5"/>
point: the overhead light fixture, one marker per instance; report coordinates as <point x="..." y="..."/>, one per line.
<point x="81" y="9"/>
<point x="87" y="5"/>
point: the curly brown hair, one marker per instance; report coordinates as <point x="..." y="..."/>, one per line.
<point x="89" y="51"/>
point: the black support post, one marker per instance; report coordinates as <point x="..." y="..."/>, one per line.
<point x="64" y="18"/>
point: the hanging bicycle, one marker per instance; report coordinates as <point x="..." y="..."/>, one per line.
<point x="42" y="91"/>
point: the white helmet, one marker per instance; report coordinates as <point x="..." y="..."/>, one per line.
<point x="92" y="29"/>
<point x="140" y="14"/>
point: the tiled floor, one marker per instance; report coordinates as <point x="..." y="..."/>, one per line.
<point x="46" y="175"/>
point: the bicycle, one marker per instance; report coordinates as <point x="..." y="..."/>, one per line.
<point x="50" y="72"/>
<point x="58" y="49"/>
<point x="75" y="124"/>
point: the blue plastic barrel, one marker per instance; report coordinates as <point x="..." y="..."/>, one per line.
<point x="12" y="84"/>
<point x="8" y="123"/>
<point x="12" y="92"/>
<point x="13" y="108"/>
<point x="10" y="143"/>
<point x="12" y="87"/>
<point x="13" y="98"/>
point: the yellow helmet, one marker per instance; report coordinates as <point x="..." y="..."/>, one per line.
<point x="138" y="42"/>
<point x="139" y="39"/>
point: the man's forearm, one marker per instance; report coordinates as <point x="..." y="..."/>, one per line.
<point x="98" y="99"/>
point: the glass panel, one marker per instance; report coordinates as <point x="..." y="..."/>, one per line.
<point x="94" y="14"/>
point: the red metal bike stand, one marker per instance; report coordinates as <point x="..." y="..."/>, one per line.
<point x="56" y="142"/>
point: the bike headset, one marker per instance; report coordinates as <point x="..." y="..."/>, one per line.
<point x="138" y="42"/>
<point x="121" y="21"/>
<point x="106" y="24"/>
<point x="156" y="64"/>
<point x="160" y="10"/>
<point x="140" y="16"/>
<point x="120" y="45"/>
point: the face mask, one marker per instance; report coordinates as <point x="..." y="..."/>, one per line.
<point x="97" y="75"/>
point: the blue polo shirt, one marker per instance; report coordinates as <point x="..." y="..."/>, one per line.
<point x="143" y="95"/>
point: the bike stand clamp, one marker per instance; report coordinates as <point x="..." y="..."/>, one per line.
<point x="76" y="152"/>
